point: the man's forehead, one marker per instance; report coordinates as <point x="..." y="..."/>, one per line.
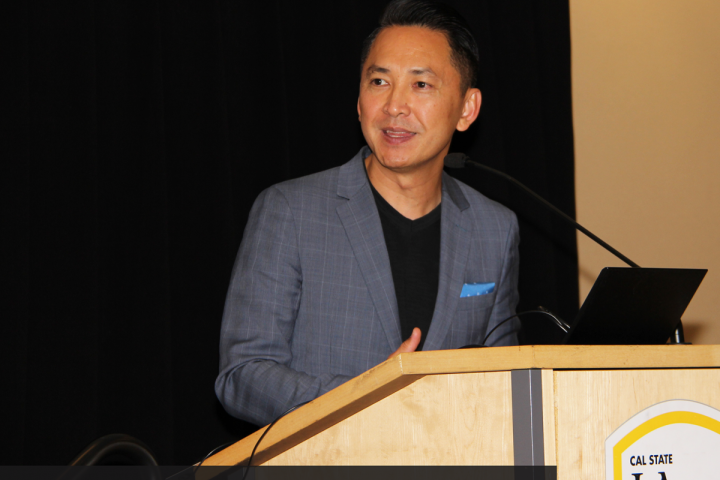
<point x="410" y="43"/>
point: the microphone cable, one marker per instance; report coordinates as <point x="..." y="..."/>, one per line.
<point x="556" y="320"/>
<point x="225" y="445"/>
<point x="257" y="444"/>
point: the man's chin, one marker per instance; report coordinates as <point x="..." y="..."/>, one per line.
<point x="393" y="162"/>
<point x="401" y="163"/>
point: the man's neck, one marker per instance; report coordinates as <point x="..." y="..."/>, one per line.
<point x="414" y="194"/>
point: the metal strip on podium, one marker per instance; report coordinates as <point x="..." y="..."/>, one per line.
<point x="527" y="413"/>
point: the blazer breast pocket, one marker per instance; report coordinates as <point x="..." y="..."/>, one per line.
<point x="476" y="302"/>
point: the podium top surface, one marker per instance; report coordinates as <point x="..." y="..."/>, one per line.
<point x="558" y="357"/>
<point x="404" y="369"/>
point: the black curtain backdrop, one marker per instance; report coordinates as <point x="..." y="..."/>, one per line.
<point x="137" y="136"/>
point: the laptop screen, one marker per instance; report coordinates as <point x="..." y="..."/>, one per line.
<point x="634" y="306"/>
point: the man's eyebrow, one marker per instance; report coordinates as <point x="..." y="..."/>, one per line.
<point x="376" y="69"/>
<point x="414" y="71"/>
<point x="423" y="71"/>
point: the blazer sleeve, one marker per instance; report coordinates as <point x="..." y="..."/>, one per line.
<point x="507" y="296"/>
<point x="256" y="382"/>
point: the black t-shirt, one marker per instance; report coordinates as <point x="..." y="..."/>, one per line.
<point x="414" y="251"/>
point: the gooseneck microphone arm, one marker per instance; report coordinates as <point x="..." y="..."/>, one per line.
<point x="460" y="160"/>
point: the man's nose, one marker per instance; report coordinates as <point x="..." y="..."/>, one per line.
<point x="397" y="103"/>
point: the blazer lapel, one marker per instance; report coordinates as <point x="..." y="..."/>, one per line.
<point x="455" y="239"/>
<point x="361" y="221"/>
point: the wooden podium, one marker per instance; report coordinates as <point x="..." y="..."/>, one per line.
<point x="527" y="405"/>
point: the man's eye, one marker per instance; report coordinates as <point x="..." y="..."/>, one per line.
<point x="378" y="81"/>
<point x="422" y="85"/>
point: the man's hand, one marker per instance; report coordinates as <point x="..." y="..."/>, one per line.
<point x="410" y="344"/>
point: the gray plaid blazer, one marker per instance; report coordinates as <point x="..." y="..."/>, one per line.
<point x="311" y="301"/>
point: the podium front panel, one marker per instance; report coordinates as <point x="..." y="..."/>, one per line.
<point x="591" y="404"/>
<point x="446" y="419"/>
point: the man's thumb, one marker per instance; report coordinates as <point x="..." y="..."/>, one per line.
<point x="411" y="344"/>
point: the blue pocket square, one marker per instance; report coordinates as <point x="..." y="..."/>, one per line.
<point x="475" y="289"/>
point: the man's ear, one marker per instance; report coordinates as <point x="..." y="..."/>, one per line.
<point x="471" y="109"/>
<point x="358" y="109"/>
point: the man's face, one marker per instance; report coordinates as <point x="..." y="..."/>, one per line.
<point x="410" y="101"/>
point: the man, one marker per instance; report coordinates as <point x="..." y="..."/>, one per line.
<point x="337" y="268"/>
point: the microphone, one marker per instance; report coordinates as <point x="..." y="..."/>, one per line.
<point x="460" y="160"/>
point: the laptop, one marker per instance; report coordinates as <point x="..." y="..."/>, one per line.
<point x="634" y="306"/>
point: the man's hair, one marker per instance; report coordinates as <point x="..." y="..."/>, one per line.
<point x="437" y="16"/>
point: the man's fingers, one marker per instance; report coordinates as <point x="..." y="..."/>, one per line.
<point x="409" y="345"/>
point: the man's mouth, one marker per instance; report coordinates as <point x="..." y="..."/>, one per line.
<point x="397" y="134"/>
